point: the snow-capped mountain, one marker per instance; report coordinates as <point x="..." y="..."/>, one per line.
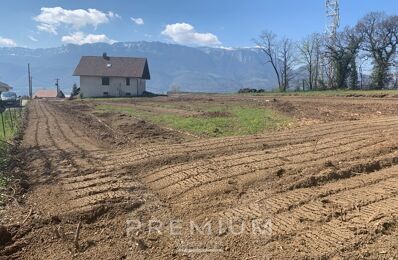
<point x="189" y="68"/>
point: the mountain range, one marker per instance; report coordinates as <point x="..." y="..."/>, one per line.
<point x="196" y="69"/>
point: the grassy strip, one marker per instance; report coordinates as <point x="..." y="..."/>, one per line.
<point x="4" y="161"/>
<point x="118" y="99"/>
<point x="338" y="93"/>
<point x="235" y="120"/>
<point x="12" y="123"/>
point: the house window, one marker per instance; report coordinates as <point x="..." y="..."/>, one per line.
<point x="105" y="81"/>
<point x="127" y="81"/>
<point x="106" y="94"/>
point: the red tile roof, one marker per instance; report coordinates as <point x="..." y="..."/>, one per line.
<point x="46" y="93"/>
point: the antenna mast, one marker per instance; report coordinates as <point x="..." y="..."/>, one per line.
<point x="332" y="18"/>
<point x="332" y="24"/>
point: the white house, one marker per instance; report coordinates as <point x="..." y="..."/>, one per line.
<point x="102" y="76"/>
<point x="4" y="87"/>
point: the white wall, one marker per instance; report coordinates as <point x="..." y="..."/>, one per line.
<point x="92" y="87"/>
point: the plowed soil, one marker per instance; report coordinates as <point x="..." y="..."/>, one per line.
<point x="326" y="188"/>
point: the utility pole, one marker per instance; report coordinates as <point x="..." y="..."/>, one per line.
<point x="30" y="82"/>
<point x="57" y="84"/>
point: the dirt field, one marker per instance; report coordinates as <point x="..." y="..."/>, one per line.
<point x="113" y="186"/>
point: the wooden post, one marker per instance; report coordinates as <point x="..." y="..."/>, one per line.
<point x="15" y="116"/>
<point x="12" y="122"/>
<point x="4" y="126"/>
<point x="30" y="82"/>
<point x="57" y="84"/>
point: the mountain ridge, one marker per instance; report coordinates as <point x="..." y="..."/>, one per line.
<point x="197" y="69"/>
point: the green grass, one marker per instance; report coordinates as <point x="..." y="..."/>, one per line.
<point x="3" y="181"/>
<point x="12" y="125"/>
<point x="338" y="92"/>
<point x="241" y="120"/>
<point x="4" y="162"/>
<point x="120" y="99"/>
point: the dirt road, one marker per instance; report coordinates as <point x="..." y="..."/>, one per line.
<point x="321" y="191"/>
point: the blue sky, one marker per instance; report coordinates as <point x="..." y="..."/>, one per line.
<point x="228" y="23"/>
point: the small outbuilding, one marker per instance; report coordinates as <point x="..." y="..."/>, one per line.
<point x="104" y="76"/>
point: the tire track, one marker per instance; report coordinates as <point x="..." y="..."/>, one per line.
<point x="235" y="145"/>
<point x="78" y="142"/>
<point x="89" y="195"/>
<point x="186" y="181"/>
<point x="325" y="224"/>
<point x="244" y="158"/>
<point x="287" y="201"/>
<point x="64" y="154"/>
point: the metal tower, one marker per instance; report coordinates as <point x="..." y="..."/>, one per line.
<point x="332" y="18"/>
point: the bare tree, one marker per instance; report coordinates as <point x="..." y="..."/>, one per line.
<point x="380" y="34"/>
<point x="288" y="60"/>
<point x="310" y="53"/>
<point x="280" y="54"/>
<point x="267" y="42"/>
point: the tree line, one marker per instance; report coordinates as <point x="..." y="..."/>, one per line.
<point x="337" y="62"/>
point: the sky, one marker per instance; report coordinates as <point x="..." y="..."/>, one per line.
<point x="216" y="23"/>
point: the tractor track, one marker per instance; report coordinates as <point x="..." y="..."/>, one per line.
<point x="69" y="157"/>
<point x="329" y="190"/>
<point x="222" y="146"/>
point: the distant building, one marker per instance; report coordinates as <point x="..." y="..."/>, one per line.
<point x="4" y="87"/>
<point x="102" y="76"/>
<point x="48" y="93"/>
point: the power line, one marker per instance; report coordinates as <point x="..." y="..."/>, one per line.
<point x="43" y="81"/>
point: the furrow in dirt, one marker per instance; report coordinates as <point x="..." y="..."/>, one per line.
<point x="254" y="157"/>
<point x="328" y="189"/>
<point x="191" y="151"/>
<point x="187" y="180"/>
<point x="79" y="141"/>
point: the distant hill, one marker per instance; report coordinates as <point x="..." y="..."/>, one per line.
<point x="191" y="69"/>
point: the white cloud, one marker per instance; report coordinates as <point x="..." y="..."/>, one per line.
<point x="80" y="38"/>
<point x="50" y="18"/>
<point x="138" y="20"/>
<point x="32" y="38"/>
<point x="113" y="15"/>
<point x="7" y="42"/>
<point x="185" y="33"/>
<point x="47" y="28"/>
